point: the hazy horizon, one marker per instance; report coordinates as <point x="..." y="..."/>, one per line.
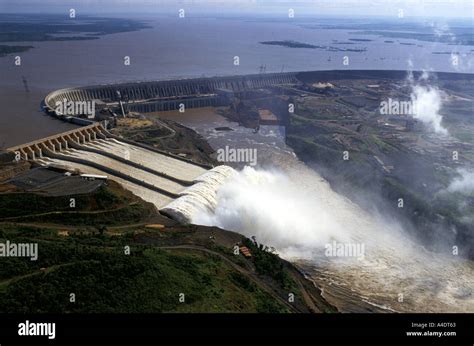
<point x="462" y="9"/>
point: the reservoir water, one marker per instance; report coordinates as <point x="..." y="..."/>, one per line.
<point x="268" y="202"/>
<point x="191" y="47"/>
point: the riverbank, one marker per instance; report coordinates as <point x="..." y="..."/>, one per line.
<point x="117" y="243"/>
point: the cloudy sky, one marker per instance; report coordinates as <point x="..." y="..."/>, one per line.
<point x="411" y="8"/>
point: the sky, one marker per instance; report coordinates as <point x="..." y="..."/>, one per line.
<point x="354" y="8"/>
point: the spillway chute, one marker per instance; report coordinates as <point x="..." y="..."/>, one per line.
<point x="200" y="196"/>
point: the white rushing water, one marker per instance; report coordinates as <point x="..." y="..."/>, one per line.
<point x="298" y="213"/>
<point x="200" y="196"/>
<point x="293" y="209"/>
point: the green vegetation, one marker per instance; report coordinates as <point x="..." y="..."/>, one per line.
<point x="387" y="163"/>
<point x="107" y="205"/>
<point x="295" y="44"/>
<point x="105" y="279"/>
<point x="41" y="27"/>
<point x="167" y="135"/>
<point x="5" y="50"/>
<point x="308" y="149"/>
<point x="290" y="44"/>
<point x="267" y="263"/>
<point x="381" y="144"/>
<point x="85" y="252"/>
<point x="464" y="136"/>
<point x="13" y="204"/>
<point x="462" y="37"/>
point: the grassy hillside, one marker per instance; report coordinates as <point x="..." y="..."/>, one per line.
<point x="105" y="279"/>
<point x="109" y="204"/>
<point x="115" y="253"/>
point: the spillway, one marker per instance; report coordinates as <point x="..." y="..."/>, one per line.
<point x="297" y="212"/>
<point x="142" y="175"/>
<point x="199" y="197"/>
<point x="159" y="200"/>
<point x="160" y="163"/>
<point x="177" y="187"/>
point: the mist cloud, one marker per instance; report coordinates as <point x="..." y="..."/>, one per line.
<point x="299" y="214"/>
<point x="272" y="207"/>
<point x="464" y="183"/>
<point x="426" y="99"/>
<point x="427" y="102"/>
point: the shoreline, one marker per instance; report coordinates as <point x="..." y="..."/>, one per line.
<point x="342" y="74"/>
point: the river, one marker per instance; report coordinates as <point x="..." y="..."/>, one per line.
<point x="286" y="205"/>
<point x="188" y="47"/>
<point x="282" y="202"/>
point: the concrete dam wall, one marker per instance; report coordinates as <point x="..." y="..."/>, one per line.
<point x="177" y="186"/>
<point x="157" y="177"/>
<point x="169" y="94"/>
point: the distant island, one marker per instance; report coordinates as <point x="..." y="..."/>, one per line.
<point x="460" y="36"/>
<point x="360" y="39"/>
<point x="291" y="44"/>
<point x="295" y="44"/>
<point x="455" y="53"/>
<point x="5" y="49"/>
<point x="32" y="28"/>
<point x="458" y="33"/>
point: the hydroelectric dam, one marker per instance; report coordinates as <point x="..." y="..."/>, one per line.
<point x="178" y="187"/>
<point x="167" y="95"/>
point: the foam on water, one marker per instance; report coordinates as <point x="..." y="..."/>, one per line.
<point x="202" y="196"/>
<point x="299" y="214"/>
<point x="296" y="211"/>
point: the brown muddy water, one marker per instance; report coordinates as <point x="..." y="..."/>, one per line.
<point x="291" y="207"/>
